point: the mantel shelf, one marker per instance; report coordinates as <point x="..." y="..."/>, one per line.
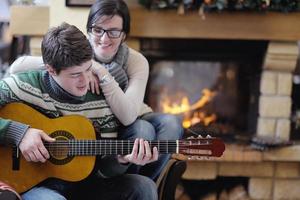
<point x="223" y="25"/>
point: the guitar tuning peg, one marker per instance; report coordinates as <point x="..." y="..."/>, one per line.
<point x="198" y="158"/>
<point x="208" y="136"/>
<point x="200" y="136"/>
<point x="191" y="137"/>
<point x="207" y="158"/>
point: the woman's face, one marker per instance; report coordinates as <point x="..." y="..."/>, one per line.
<point x="106" y="44"/>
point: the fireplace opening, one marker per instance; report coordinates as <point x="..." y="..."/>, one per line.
<point x="212" y="85"/>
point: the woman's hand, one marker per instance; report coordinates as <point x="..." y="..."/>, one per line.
<point x="98" y="71"/>
<point x="141" y="153"/>
<point x="94" y="85"/>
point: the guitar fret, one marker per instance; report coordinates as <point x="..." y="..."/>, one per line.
<point x="167" y="147"/>
<point x="100" y="150"/>
<point x="110" y="147"/>
<point x="94" y="148"/>
<point x="87" y="148"/>
<point x="104" y="147"/>
<point x="81" y="148"/>
<point x="122" y="147"/>
<point x="116" y="148"/>
<point x="91" y="148"/>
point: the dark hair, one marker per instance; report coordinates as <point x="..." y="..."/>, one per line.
<point x="109" y="8"/>
<point x="65" y="46"/>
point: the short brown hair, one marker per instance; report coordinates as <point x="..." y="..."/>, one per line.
<point x="65" y="46"/>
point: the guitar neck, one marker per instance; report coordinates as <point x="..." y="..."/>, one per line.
<point x="106" y="147"/>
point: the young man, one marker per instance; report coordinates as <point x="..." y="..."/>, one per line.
<point x="62" y="89"/>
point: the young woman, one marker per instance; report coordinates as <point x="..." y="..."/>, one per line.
<point x="123" y="75"/>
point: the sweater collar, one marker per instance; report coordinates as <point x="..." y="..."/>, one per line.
<point x="58" y="92"/>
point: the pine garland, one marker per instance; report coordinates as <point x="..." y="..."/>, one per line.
<point x="219" y="5"/>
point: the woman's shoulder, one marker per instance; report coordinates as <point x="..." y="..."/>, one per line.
<point x="137" y="57"/>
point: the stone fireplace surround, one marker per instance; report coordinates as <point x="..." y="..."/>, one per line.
<point x="273" y="174"/>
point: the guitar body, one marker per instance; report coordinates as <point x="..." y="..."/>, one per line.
<point x="60" y="166"/>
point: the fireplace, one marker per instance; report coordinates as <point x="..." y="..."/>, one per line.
<point x="269" y="174"/>
<point x="212" y="85"/>
<point x="239" y="89"/>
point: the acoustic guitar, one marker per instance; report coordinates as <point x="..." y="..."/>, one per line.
<point x="72" y="155"/>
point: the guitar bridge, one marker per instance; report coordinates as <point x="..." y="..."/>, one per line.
<point x="15" y="158"/>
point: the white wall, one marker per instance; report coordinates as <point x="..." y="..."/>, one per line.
<point x="60" y="13"/>
<point x="72" y="15"/>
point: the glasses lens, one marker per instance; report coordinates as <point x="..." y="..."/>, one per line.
<point x="114" y="33"/>
<point x="97" y="31"/>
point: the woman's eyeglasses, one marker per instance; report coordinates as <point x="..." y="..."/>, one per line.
<point x="112" y="33"/>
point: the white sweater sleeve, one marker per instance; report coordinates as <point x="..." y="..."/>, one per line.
<point x="25" y="63"/>
<point x="127" y="106"/>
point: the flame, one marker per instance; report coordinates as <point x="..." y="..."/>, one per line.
<point x="190" y="115"/>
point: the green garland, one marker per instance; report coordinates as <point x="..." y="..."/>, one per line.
<point x="219" y="5"/>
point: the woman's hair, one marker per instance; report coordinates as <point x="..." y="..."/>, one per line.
<point x="109" y="8"/>
<point x="65" y="46"/>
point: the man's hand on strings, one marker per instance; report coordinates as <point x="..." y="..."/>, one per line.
<point x="32" y="146"/>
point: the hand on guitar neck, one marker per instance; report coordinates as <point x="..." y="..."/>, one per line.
<point x="141" y="153"/>
<point x="32" y="146"/>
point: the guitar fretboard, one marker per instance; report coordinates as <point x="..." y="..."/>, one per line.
<point x="106" y="147"/>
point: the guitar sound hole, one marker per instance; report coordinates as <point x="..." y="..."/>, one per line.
<point x="59" y="150"/>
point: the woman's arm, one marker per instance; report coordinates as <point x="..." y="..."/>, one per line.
<point x="26" y="63"/>
<point x="127" y="105"/>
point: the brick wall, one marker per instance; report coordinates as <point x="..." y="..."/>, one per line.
<point x="276" y="87"/>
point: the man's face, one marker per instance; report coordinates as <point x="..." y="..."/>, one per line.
<point x="105" y="47"/>
<point x="74" y="80"/>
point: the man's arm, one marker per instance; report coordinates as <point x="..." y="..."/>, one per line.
<point x="29" y="140"/>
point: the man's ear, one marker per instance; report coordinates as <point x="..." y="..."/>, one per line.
<point x="51" y="70"/>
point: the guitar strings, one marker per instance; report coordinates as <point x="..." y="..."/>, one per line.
<point x="112" y="147"/>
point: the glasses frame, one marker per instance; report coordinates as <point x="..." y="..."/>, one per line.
<point x="108" y="32"/>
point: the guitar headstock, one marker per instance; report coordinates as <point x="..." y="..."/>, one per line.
<point x="198" y="147"/>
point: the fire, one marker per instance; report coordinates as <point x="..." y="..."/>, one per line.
<point x="190" y="114"/>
